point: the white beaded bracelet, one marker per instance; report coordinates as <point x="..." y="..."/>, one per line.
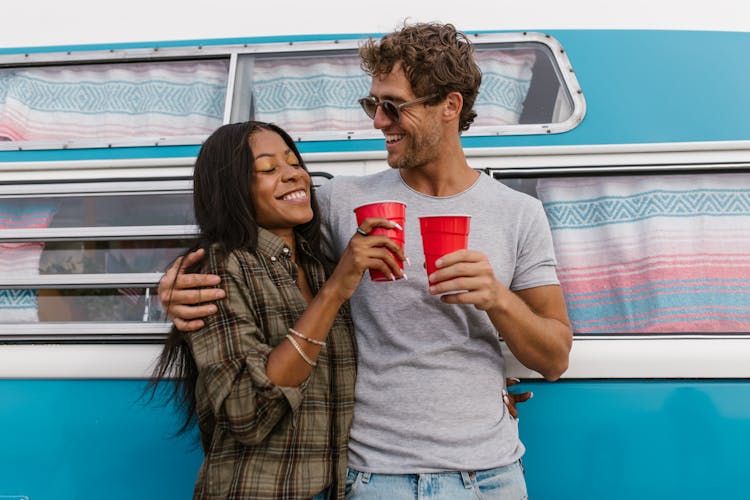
<point x="300" y="351"/>
<point x="306" y="338"/>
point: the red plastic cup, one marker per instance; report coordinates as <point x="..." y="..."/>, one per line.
<point x="394" y="211"/>
<point x="441" y="235"/>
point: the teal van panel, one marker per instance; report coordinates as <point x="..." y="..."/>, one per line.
<point x="660" y="86"/>
<point x="100" y="154"/>
<point x="86" y="440"/>
<point x="644" y="439"/>
<point x="91" y="440"/>
<point x="182" y="43"/>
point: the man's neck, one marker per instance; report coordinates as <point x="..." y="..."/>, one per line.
<point x="448" y="175"/>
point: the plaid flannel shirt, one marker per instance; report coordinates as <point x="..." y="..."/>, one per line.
<point x="261" y="440"/>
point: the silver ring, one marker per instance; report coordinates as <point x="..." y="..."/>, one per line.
<point x="362" y="231"/>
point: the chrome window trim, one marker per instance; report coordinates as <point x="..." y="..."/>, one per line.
<point x="242" y="93"/>
<point x="156" y="53"/>
<point x="114" y="142"/>
<point x="95" y="188"/>
<point x="235" y="103"/>
<point x="93" y="280"/>
<point x="698" y="168"/>
<point x="43" y="334"/>
<point x="86" y="328"/>
<point x="229" y="96"/>
<point x="97" y="233"/>
<point x="61" y="175"/>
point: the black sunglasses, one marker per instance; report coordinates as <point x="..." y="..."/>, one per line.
<point x="392" y="110"/>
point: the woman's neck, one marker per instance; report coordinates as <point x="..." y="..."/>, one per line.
<point x="289" y="238"/>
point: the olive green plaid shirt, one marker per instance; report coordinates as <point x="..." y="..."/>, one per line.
<point x="261" y="440"/>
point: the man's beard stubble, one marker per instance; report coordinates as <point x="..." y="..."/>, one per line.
<point x="419" y="151"/>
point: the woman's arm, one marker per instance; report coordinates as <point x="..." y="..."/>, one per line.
<point x="293" y="360"/>
<point x="251" y="385"/>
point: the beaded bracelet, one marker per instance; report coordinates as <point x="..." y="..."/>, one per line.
<point x="300" y="351"/>
<point x="306" y="338"/>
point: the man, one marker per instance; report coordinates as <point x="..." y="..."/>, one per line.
<point x="428" y="417"/>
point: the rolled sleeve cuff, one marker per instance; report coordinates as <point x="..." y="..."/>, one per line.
<point x="265" y="388"/>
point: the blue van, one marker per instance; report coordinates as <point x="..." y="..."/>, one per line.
<point x="637" y="142"/>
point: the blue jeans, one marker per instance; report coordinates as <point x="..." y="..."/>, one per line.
<point x="323" y="495"/>
<point x="506" y="483"/>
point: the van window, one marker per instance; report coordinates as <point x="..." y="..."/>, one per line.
<point x="650" y="254"/>
<point x="80" y="261"/>
<point x="112" y="103"/>
<point x="179" y="95"/>
<point x="89" y="252"/>
<point x="521" y="85"/>
<point x="524" y="90"/>
<point x="310" y="93"/>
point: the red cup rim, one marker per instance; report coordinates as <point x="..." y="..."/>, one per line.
<point x="378" y="203"/>
<point x="444" y="215"/>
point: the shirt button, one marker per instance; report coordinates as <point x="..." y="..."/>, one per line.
<point x="286" y="250"/>
<point x="273" y="259"/>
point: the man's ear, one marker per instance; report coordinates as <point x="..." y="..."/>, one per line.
<point x="454" y="103"/>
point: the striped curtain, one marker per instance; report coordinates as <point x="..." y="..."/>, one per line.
<point x="21" y="259"/>
<point x="653" y="254"/>
<point x="164" y="99"/>
<point x="305" y="94"/>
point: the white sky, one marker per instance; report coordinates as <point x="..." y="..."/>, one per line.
<point x="62" y="22"/>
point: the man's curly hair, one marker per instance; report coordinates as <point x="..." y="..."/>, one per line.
<point x="436" y="59"/>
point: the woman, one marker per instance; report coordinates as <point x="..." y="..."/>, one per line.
<point x="270" y="376"/>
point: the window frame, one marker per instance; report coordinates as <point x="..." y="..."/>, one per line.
<point x="237" y="106"/>
<point x="614" y="170"/>
<point x="89" y="331"/>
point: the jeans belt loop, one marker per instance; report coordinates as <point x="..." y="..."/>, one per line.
<point x="366" y="477"/>
<point x="466" y="478"/>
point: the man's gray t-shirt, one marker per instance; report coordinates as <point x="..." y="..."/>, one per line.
<point x="430" y="375"/>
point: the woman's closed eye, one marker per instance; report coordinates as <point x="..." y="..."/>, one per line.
<point x="271" y="170"/>
<point x="264" y="167"/>
<point x="293" y="161"/>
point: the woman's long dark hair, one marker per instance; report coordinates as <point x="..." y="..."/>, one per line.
<point x="225" y="215"/>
